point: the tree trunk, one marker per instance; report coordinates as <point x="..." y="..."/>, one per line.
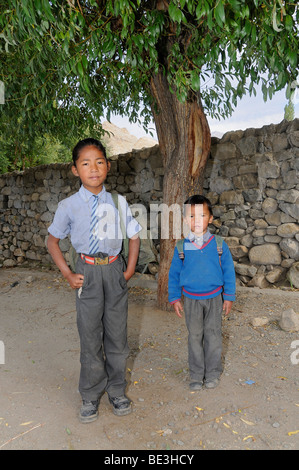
<point x="184" y="140"/>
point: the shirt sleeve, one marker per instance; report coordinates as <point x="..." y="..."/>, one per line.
<point x="61" y="226"/>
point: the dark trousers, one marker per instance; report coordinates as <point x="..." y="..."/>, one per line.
<point x="203" y="320"/>
<point x="102" y="311"/>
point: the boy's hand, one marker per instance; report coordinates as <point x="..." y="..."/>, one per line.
<point x="227" y="306"/>
<point x="178" y="308"/>
<point x="75" y="280"/>
<point x="128" y="274"/>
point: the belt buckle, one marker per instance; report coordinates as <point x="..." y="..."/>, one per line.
<point x="101" y="261"/>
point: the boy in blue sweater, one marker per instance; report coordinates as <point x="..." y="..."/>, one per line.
<point x="207" y="280"/>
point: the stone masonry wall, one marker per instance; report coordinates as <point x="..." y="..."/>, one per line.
<point x="252" y="179"/>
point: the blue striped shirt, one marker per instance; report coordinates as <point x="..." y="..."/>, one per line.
<point x="73" y="216"/>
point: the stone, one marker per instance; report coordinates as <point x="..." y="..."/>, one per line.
<point x="294" y="138"/>
<point x="231" y="197"/>
<point x="224" y="150"/>
<point x="269" y="205"/>
<point x="259" y="321"/>
<point x="275" y="275"/>
<point x="221" y="184"/>
<point x="293" y="275"/>
<point x="245" y="269"/>
<point x="288" y="230"/>
<point x="238" y="251"/>
<point x="9" y="263"/>
<point x="265" y="254"/>
<point x="290" y="209"/>
<point x="259" y="280"/>
<point x="289" y="321"/>
<point x="290" y="195"/>
<point x="248" y="145"/>
<point x="291" y="247"/>
<point x="269" y="169"/>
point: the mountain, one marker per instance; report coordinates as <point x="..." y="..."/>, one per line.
<point x="121" y="141"/>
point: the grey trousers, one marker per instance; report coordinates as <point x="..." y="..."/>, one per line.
<point x="102" y="311"/>
<point x="203" y="320"/>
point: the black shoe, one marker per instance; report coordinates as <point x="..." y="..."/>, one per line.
<point x="121" y="405"/>
<point x="195" y="386"/>
<point x="89" y="411"/>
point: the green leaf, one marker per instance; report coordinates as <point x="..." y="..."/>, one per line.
<point x="220" y="13"/>
<point x="289" y="23"/>
<point x="175" y="13"/>
<point x="195" y="80"/>
<point x="84" y="62"/>
<point x="293" y="57"/>
<point x="80" y="69"/>
<point x="210" y="19"/>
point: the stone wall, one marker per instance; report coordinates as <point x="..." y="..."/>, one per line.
<point x="252" y="179"/>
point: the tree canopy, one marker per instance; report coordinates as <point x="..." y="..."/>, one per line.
<point x="65" y="64"/>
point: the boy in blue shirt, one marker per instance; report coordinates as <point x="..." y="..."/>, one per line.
<point x="205" y="278"/>
<point x="93" y="222"/>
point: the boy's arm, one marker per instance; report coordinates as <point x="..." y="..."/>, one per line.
<point x="229" y="277"/>
<point x="134" y="244"/>
<point x="174" y="289"/>
<point x="74" y="280"/>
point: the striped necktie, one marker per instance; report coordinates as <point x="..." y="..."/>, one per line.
<point x="93" y="233"/>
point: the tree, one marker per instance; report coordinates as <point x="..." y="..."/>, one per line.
<point x="175" y="60"/>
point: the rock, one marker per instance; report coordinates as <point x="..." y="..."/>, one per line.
<point x="293" y="275"/>
<point x="269" y="170"/>
<point x="259" y="321"/>
<point x="245" y="269"/>
<point x="291" y="247"/>
<point x="269" y="205"/>
<point x="289" y="321"/>
<point x="9" y="263"/>
<point x="265" y="254"/>
<point x="288" y="230"/>
<point x="275" y="275"/>
<point x="259" y="280"/>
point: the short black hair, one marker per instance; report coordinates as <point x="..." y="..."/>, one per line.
<point x="86" y="143"/>
<point x="198" y="199"/>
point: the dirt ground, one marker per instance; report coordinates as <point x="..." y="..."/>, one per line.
<point x="256" y="405"/>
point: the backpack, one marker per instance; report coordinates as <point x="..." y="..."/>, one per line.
<point x="219" y="241"/>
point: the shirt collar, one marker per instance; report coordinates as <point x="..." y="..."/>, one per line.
<point x="86" y="195"/>
<point x="199" y="240"/>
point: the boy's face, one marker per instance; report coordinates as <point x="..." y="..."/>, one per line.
<point x="198" y="218"/>
<point x="92" y="168"/>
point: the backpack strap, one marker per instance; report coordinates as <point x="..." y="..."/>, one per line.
<point x="219" y="242"/>
<point x="180" y="248"/>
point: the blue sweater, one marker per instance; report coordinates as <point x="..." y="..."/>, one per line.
<point x="200" y="274"/>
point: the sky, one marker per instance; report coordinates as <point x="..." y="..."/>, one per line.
<point x="250" y="112"/>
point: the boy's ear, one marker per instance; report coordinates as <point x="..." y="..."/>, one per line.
<point x="74" y="170"/>
<point x="108" y="165"/>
